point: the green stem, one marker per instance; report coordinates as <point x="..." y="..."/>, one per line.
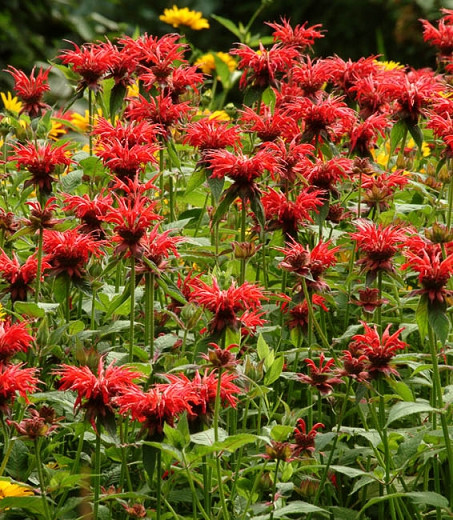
<point x="132" y="317"/>
<point x="125" y="474"/>
<point x="192" y="487"/>
<point x="39" y="268"/>
<point x="8" y="445"/>
<point x="243" y="225"/>
<point x="159" y="484"/>
<point x="450" y="199"/>
<point x="274" y="490"/>
<point x="202" y="213"/>
<point x="359" y="196"/>
<point x="97" y="470"/>
<point x="311" y="314"/>
<point x="149" y="313"/>
<point x="90" y="120"/>
<point x="216" y="438"/>
<point x="171" y="198"/>
<point x="38" y="443"/>
<point x="255" y="485"/>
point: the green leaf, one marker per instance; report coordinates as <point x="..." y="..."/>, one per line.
<point x="228" y="24"/>
<point x="269" y="98"/>
<point x="70" y="181"/>
<point x="173" y="154"/>
<point x="416" y="134"/>
<point x="403" y="409"/>
<point x="428" y="498"/>
<point x="349" y="471"/>
<point x="92" y="166"/>
<point x="275" y="371"/>
<point x="257" y="208"/>
<point x="396" y="135"/>
<point x="29" y="309"/>
<point x="298" y="507"/>
<point x="402" y="390"/>
<point x="149" y="454"/>
<point x="421" y="316"/>
<point x="216" y="186"/>
<point x="262" y="348"/>
<point x="224" y="206"/>
<point x="32" y="504"/>
<point x="281" y="432"/>
<point x="222" y="70"/>
<point x="116" y="99"/>
<point x="251" y="96"/>
<point x="438" y="320"/>
<point x="196" y="179"/>
<point x="18" y="461"/>
<point x="206" y="438"/>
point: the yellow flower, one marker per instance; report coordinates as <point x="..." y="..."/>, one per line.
<point x="8" y="489"/>
<point x="82" y="122"/>
<point x="207" y="62"/>
<point x="56" y="130"/>
<point x="133" y="90"/>
<point x="12" y="104"/>
<point x="177" y="17"/>
<point x="2" y="313"/>
<point x="390" y="65"/>
<point x="220" y="115"/>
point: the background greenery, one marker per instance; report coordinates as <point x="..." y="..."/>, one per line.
<point x="32" y="30"/>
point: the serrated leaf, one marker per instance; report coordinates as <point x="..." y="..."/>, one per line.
<point x="18" y="461"/>
<point x="258" y="210"/>
<point x="428" y="498"/>
<point x="173" y="154"/>
<point x="349" y="471"/>
<point x="403" y="409"/>
<point x="281" y="432"/>
<point x="70" y="181"/>
<point x="216" y="186"/>
<point x="228" y="198"/>
<point x="439" y="321"/>
<point x="402" y="390"/>
<point x="29" y="309"/>
<point x="206" y="438"/>
<point x="416" y="134"/>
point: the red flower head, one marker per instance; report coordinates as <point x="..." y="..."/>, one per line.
<point x="42" y="217"/>
<point x="41" y="160"/>
<point x="345" y="74"/>
<point x="127" y="161"/>
<point x="321" y="377"/>
<point x="19" y="276"/>
<point x="442" y="126"/>
<point x="161" y="111"/>
<point x="242" y="169"/>
<point x="92" y="61"/>
<point x="379" y="351"/>
<point x="212" y="134"/>
<point x="369" y="299"/>
<point x="434" y="271"/>
<point x="363" y="135"/>
<point x="309" y="264"/>
<point x="68" y="252"/>
<point x="371" y="92"/>
<point x="413" y="92"/>
<point x="442" y="37"/>
<point x="326" y="174"/>
<point x="269" y="125"/>
<point x="201" y="393"/>
<point x="159" y="405"/>
<point x="132" y="217"/>
<point x="30" y="90"/>
<point x="96" y="391"/>
<point x="16" y="379"/>
<point x="299" y="313"/>
<point x="355" y="365"/>
<point x="292" y="159"/>
<point x="310" y="76"/>
<point x="127" y="133"/>
<point x="14" y="338"/>
<point x="157" y="248"/>
<point x="378" y="243"/>
<point x="379" y="189"/>
<point x="37" y="425"/>
<point x="226" y="304"/>
<point x="299" y="37"/>
<point x="89" y="211"/>
<point x="263" y="67"/>
<point x="122" y="65"/>
<point x="287" y="215"/>
<point x="324" y="119"/>
<point x="305" y="442"/>
<point x="176" y="83"/>
<point x="8" y="222"/>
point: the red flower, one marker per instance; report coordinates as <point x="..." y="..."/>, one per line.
<point x="157" y="248"/>
<point x="132" y="218"/>
<point x="16" y="379"/>
<point x="442" y="37"/>
<point x="30" y="89"/>
<point x="92" y="61"/>
<point x="355" y="365"/>
<point x="320" y="376"/>
<point x="14" y="338"/>
<point x="96" y="391"/>
<point x="37" y="425"/>
<point x="371" y="93"/>
<point x="378" y="243"/>
<point x="202" y="391"/>
<point x="299" y="313"/>
<point x="127" y="133"/>
<point x="68" y="252"/>
<point x="41" y="160"/>
<point x="89" y="211"/>
<point x="324" y="119"/>
<point x="345" y="74"/>
<point x="326" y="174"/>
<point x="269" y="124"/>
<point x="305" y="442"/>
<point x="176" y="83"/>
<point x="287" y="215"/>
<point x="159" y="405"/>
<point x="434" y="271"/>
<point x="309" y="264"/>
<point x="262" y="67"/>
<point x="310" y="76"/>
<point x="161" y="111"/>
<point x="369" y="299"/>
<point x="226" y="304"/>
<point x="292" y="159"/>
<point x="299" y="37"/>
<point x="379" y="351"/>
<point x="363" y="135"/>
<point x="42" y="217"/>
<point x="127" y="161"/>
<point x="379" y="189"/>
<point x="212" y="134"/>
<point x="19" y="276"/>
<point x="242" y="169"/>
<point x="442" y="126"/>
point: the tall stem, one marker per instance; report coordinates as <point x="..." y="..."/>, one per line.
<point x="39" y="265"/>
<point x="90" y="120"/>
<point x="42" y="485"/>
<point x="132" y="317"/>
<point x="243" y="260"/>
<point x="450" y="196"/>
<point x="149" y="313"/>
<point x="97" y="471"/>
<point x="274" y="490"/>
<point x="216" y="438"/>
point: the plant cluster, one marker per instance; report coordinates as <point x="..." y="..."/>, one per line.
<point x="217" y="311"/>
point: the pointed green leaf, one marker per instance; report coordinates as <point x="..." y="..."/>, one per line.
<point x="228" y="24"/>
<point x="403" y="409"/>
<point x="396" y="135"/>
<point x="116" y="99"/>
<point x="421" y="316"/>
<point x="196" y="179"/>
<point x="275" y="371"/>
<point x="438" y="320"/>
<point x="224" y="206"/>
<point x="416" y="134"/>
<point x="216" y="186"/>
